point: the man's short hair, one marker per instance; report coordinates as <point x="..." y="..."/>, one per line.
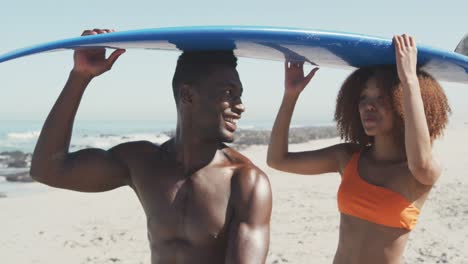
<point x="192" y="66"/>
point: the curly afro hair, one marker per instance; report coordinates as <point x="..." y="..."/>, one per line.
<point x="347" y="116"/>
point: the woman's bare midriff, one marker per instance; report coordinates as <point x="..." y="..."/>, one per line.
<point x="363" y="242"/>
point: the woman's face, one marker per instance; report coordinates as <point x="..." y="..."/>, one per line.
<point x="375" y="110"/>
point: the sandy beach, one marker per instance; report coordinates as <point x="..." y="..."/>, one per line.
<point x="58" y="226"/>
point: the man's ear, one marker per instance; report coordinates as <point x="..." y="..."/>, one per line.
<point x="186" y="94"/>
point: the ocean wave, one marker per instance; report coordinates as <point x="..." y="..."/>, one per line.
<point x="25" y="141"/>
<point x="30" y="135"/>
<point x="105" y="141"/>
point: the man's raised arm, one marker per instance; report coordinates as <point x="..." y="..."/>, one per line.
<point x="85" y="170"/>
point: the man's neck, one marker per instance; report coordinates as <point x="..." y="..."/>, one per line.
<point x="192" y="151"/>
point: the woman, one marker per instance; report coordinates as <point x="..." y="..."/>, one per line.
<point x="389" y="118"/>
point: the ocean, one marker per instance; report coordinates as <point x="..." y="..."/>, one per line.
<point x="19" y="135"/>
<point x="22" y="135"/>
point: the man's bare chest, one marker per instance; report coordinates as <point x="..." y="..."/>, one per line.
<point x="194" y="208"/>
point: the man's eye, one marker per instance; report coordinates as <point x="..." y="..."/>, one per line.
<point x="228" y="92"/>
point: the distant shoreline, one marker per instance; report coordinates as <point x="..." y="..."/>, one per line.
<point x="243" y="137"/>
<point x="14" y="165"/>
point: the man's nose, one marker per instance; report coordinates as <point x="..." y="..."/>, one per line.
<point x="239" y="107"/>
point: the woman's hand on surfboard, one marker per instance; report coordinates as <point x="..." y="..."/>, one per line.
<point x="406" y="57"/>
<point x="92" y="62"/>
<point x="294" y="79"/>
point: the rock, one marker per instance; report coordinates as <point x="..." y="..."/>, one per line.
<point x="17" y="164"/>
<point x="19" y="177"/>
<point x="15" y="159"/>
<point x="14" y="154"/>
<point x="247" y="137"/>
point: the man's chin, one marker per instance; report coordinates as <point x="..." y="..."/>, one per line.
<point x="227" y="137"/>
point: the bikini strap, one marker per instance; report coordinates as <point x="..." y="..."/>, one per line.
<point x="351" y="166"/>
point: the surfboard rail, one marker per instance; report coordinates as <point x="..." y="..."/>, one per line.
<point x="318" y="47"/>
<point x="462" y="47"/>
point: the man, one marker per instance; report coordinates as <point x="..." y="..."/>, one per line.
<point x="204" y="202"/>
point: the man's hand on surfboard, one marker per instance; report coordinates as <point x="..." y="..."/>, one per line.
<point x="406" y="57"/>
<point x="92" y="62"/>
<point x="294" y="79"/>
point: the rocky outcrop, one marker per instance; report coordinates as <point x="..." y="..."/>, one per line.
<point x="247" y="137"/>
<point x="19" y="177"/>
<point x="17" y="164"/>
<point x="15" y="159"/>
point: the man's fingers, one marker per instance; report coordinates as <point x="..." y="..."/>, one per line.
<point x="96" y="31"/>
<point x="88" y="32"/>
<point x="105" y="30"/>
<point x="114" y="56"/>
<point x="99" y="31"/>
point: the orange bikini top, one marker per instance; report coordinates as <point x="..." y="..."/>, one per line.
<point x="373" y="203"/>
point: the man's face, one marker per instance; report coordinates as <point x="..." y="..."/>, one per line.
<point x="217" y="104"/>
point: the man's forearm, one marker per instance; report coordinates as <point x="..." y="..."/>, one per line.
<point x="54" y="140"/>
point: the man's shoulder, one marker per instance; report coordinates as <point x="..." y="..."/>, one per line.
<point x="136" y="149"/>
<point x="249" y="174"/>
<point x="236" y="157"/>
<point x="141" y="145"/>
<point x="244" y="167"/>
<point x="249" y="179"/>
<point x="250" y="189"/>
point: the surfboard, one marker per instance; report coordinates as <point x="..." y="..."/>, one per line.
<point x="322" y="48"/>
<point x="462" y="47"/>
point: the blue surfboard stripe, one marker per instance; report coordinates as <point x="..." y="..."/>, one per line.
<point x="325" y="48"/>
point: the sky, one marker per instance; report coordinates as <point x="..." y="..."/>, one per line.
<point x="139" y="85"/>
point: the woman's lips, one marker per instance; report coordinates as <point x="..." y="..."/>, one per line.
<point x="369" y="119"/>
